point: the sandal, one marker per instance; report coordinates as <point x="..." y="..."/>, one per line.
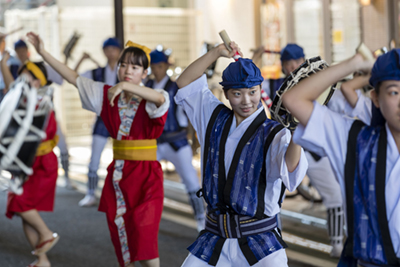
<point x="45" y="246"/>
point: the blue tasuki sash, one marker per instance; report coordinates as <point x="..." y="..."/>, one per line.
<point x="236" y="201"/>
<point x="369" y="240"/>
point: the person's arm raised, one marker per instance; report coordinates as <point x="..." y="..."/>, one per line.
<point x="299" y="100"/>
<point x="197" y="68"/>
<point x="66" y="72"/>
<point x="5" y="70"/>
<point x="349" y="88"/>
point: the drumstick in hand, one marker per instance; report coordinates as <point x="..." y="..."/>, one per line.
<point x="363" y="50"/>
<point x="227" y="42"/>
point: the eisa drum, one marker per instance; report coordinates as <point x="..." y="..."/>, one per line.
<point x="24" y="114"/>
<point x="309" y="67"/>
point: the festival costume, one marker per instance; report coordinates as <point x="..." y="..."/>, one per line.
<point x="174" y="147"/>
<point x="319" y="170"/>
<point x="100" y="133"/>
<point x="366" y="161"/>
<point x="39" y="189"/>
<point x="55" y="78"/>
<point x="200" y="105"/>
<point x="327" y="134"/>
<point x="132" y="196"/>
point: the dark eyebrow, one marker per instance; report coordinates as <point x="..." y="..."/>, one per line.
<point x="392" y="85"/>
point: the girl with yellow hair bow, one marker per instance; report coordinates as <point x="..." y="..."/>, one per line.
<point x="134" y="115"/>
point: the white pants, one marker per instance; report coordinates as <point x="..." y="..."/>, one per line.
<point x="182" y="160"/>
<point x="98" y="144"/>
<point x="232" y="256"/>
<point x="62" y="145"/>
<point x="323" y="179"/>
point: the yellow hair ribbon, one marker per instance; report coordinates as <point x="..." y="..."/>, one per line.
<point x="32" y="67"/>
<point x="145" y="49"/>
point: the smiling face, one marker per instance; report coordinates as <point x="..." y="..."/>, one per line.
<point x="244" y="101"/>
<point x="388" y="100"/>
<point x="131" y="72"/>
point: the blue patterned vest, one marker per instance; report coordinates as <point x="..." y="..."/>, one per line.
<point x="173" y="133"/>
<point x="99" y="127"/>
<point x="236" y="202"/>
<point x="369" y="240"/>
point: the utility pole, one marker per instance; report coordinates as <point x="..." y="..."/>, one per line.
<point x="119" y="21"/>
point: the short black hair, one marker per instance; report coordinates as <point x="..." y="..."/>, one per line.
<point x="135" y="56"/>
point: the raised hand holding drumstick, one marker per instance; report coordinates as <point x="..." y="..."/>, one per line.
<point x="227" y="42"/>
<point x="197" y="68"/>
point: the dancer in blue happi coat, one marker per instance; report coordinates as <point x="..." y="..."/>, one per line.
<point x="246" y="157"/>
<point x="365" y="159"/>
<point x="173" y="144"/>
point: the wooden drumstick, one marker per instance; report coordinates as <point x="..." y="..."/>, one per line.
<point x="14" y="31"/>
<point x="365" y="52"/>
<point x="227" y="41"/>
<point x="267" y="51"/>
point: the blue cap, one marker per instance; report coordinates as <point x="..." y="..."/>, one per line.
<point x="292" y="51"/>
<point x="158" y="57"/>
<point x="20" y="43"/>
<point x="386" y="67"/>
<point x="112" y="42"/>
<point x="241" y="74"/>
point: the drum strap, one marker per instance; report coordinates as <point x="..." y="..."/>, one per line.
<point x="137" y="150"/>
<point x="47" y="146"/>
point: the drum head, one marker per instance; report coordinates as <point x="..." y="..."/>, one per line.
<point x="309" y="67"/>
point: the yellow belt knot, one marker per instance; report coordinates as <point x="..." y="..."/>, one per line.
<point x="46" y="147"/>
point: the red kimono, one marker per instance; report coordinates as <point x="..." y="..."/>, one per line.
<point x="141" y="186"/>
<point x="39" y="190"/>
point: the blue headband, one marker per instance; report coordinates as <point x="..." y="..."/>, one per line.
<point x="241" y="74"/>
<point x="292" y="51"/>
<point x="158" y="56"/>
<point x="386" y="67"/>
<point x="112" y="42"/>
<point x="19" y="44"/>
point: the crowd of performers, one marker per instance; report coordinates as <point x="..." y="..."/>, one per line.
<point x="248" y="160"/>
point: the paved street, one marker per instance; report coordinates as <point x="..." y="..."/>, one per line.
<point x="85" y="239"/>
<point x="84" y="235"/>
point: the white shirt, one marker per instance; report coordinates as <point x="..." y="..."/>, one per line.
<point x="109" y="75"/>
<point x="339" y="104"/>
<point x="199" y="103"/>
<point x="327" y="133"/>
<point x="363" y="109"/>
<point x="91" y="94"/>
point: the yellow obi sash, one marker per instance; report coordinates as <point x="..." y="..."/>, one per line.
<point x="139" y="150"/>
<point x="47" y="146"/>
